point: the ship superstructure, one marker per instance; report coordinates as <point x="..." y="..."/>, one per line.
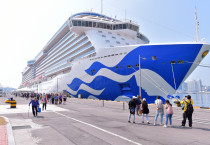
<point x="97" y="56"/>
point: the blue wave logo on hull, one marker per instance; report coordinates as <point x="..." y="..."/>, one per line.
<point x="162" y="66"/>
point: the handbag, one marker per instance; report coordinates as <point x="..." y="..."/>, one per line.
<point x="39" y="109"/>
<point x="140" y="111"/>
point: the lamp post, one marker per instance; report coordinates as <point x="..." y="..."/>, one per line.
<point x="57" y="85"/>
<point x="139" y="73"/>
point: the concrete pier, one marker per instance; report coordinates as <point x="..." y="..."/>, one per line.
<point x="94" y="122"/>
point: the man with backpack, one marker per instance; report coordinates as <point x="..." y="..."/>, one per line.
<point x="187" y="110"/>
<point x="132" y="107"/>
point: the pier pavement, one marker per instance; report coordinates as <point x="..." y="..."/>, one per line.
<point x="89" y="122"/>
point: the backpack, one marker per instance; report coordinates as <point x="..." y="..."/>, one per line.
<point x="189" y="109"/>
<point x="159" y="104"/>
<point x="132" y="103"/>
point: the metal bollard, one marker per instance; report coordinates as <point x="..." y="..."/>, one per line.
<point x="123" y="105"/>
<point x="103" y="103"/>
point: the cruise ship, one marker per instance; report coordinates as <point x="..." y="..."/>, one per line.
<point x="98" y="57"/>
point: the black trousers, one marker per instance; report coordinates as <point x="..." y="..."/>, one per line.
<point x="34" y="110"/>
<point x="44" y="106"/>
<point x="185" y="117"/>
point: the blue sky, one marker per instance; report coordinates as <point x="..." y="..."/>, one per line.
<point x="27" y="25"/>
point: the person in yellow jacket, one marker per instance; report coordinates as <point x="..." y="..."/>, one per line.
<point x="187" y="110"/>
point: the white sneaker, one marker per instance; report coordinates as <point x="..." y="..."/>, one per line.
<point x="154" y="124"/>
<point x="164" y="126"/>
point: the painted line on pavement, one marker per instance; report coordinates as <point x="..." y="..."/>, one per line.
<point x="124" y="138"/>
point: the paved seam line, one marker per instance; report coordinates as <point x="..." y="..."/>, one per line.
<point x="124" y="138"/>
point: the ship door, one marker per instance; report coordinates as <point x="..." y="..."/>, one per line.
<point x="126" y="89"/>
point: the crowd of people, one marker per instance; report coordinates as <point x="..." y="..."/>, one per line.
<point x="138" y="106"/>
<point x="52" y="98"/>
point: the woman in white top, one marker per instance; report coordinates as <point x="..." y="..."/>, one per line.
<point x="160" y="110"/>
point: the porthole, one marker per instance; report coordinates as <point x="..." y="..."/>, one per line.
<point x="110" y="32"/>
<point x="173" y="62"/>
<point x="122" y="38"/>
<point x="116" y="67"/>
<point x="137" y="65"/>
<point x="107" y="41"/>
<point x="180" y="61"/>
<point x="103" y="35"/>
<point x="113" y="37"/>
<point x="117" y="42"/>
<point x="99" y="31"/>
<point x="127" y="43"/>
<point x="154" y="58"/>
<point x="128" y="66"/>
<point x="205" y="53"/>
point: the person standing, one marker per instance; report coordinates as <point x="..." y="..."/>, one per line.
<point x="169" y="113"/>
<point x="159" y="110"/>
<point x="44" y="102"/>
<point x="187" y="110"/>
<point x="64" y="99"/>
<point x="35" y="105"/>
<point x="132" y="107"/>
<point x="52" y="98"/>
<point x="138" y="104"/>
<point x="145" y="110"/>
<point x="60" y="99"/>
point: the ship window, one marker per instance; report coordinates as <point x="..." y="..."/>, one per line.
<point x="75" y="23"/>
<point x="173" y="62"/>
<point x="94" y="24"/>
<point x="118" y="34"/>
<point x="109" y="26"/>
<point x="127" y="43"/>
<point x="102" y="57"/>
<point x="120" y="53"/>
<point x="112" y="55"/>
<point x="120" y="26"/>
<point x="116" y="54"/>
<point x="86" y="24"/>
<point x="79" y="23"/>
<point x="117" y="42"/>
<point x="89" y="24"/>
<point x="110" y="32"/>
<point x="128" y="66"/>
<point x="137" y="65"/>
<point x="103" y="35"/>
<point x="99" y="31"/>
<point x="113" y="37"/>
<point x="154" y="58"/>
<point x="111" y="46"/>
<point x="124" y="26"/>
<point x="105" y="56"/>
<point x="180" y="61"/>
<point x="104" y="26"/>
<point x="107" y="41"/>
<point x="83" y="23"/>
<point x="109" y="55"/>
<point x="116" y="27"/>
<point x="122" y="38"/>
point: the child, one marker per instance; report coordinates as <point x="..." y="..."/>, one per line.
<point x="145" y="110"/>
<point x="169" y="113"/>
